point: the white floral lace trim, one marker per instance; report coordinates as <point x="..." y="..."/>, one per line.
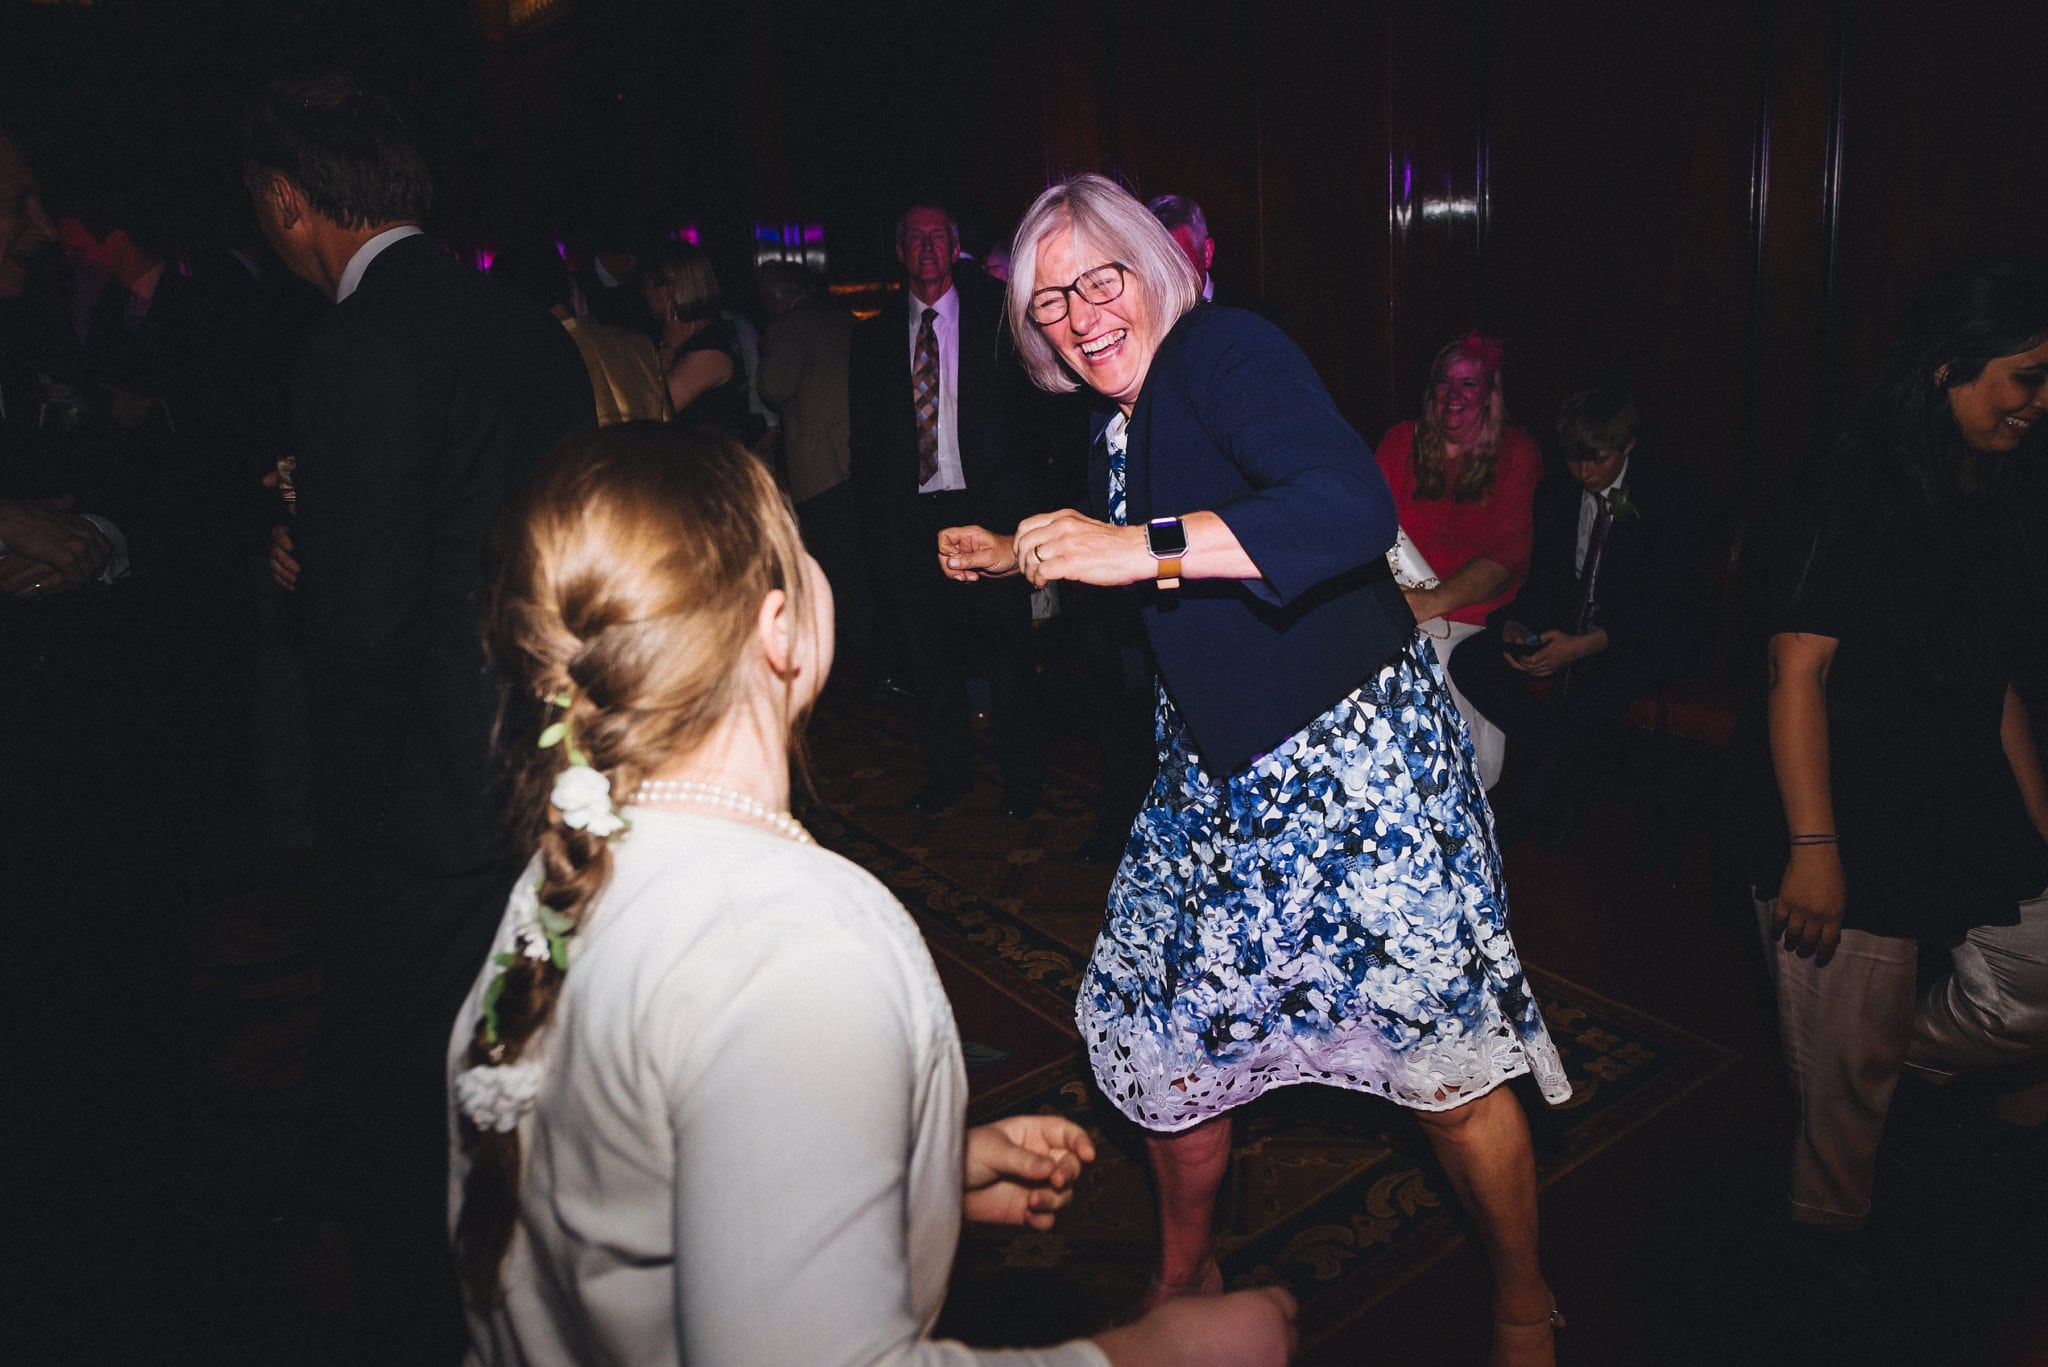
<point x="1167" y="1094"/>
<point x="495" y="1096"/>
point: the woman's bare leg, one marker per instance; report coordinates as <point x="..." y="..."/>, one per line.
<point x="1188" y="1167"/>
<point x="1484" y="1147"/>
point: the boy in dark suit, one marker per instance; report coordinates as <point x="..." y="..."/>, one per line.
<point x="1595" y="616"/>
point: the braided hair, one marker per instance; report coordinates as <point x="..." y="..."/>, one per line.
<point x="622" y="605"/>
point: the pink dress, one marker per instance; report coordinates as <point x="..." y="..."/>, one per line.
<point x="1497" y="527"/>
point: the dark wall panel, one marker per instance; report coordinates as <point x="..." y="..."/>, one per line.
<point x="1435" y="82"/>
<point x="1796" y="242"/>
<point x="1185" y="86"/>
<point x="1322" y="160"/>
<point x="1942" y="120"/>
<point x="1618" y="246"/>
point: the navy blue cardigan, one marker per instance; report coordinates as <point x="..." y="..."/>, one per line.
<point x="1233" y="420"/>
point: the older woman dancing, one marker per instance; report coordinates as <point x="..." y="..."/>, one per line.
<point x="1312" y="892"/>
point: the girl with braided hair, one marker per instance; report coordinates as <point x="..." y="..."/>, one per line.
<point x="708" y="1094"/>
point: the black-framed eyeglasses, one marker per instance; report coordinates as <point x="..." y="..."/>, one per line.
<point x="1098" y="286"/>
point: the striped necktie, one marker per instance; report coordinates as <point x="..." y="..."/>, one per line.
<point x="924" y="388"/>
<point x="1589" y="576"/>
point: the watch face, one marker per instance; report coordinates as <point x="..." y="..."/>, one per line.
<point x="1166" y="538"/>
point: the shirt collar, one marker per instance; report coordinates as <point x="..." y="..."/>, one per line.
<point x="1209" y="289"/>
<point x="352" y="274"/>
<point x="1614" y="488"/>
<point x="1115" y="430"/>
<point x="1619" y="479"/>
<point x="948" y="307"/>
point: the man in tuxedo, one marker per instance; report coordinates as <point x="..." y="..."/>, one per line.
<point x="942" y="433"/>
<point x="1599" y="614"/>
<point x="421" y="401"/>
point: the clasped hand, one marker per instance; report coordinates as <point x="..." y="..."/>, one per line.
<point x="1047" y="547"/>
<point x="1560" y="649"/>
<point x="49" y="547"/>
<point x="1021" y="1169"/>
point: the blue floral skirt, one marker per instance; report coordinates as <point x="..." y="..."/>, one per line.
<point x="1333" y="914"/>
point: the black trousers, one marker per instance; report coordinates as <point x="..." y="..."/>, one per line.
<point x="399" y="955"/>
<point x="952" y="632"/>
<point x="1548" y="740"/>
<point x="1122" y="689"/>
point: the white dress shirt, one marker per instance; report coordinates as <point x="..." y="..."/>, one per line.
<point x="352" y="273"/>
<point x="1589" y="513"/>
<point x="946" y="328"/>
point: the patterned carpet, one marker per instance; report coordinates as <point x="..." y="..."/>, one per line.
<point x="1332" y="1194"/>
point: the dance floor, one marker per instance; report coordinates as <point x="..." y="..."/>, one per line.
<point x="1662" y="1179"/>
<point x="1333" y="1195"/>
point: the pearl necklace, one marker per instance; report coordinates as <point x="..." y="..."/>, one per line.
<point x="659" y="790"/>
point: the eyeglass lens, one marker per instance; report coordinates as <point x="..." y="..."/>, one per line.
<point x="1099" y="286"/>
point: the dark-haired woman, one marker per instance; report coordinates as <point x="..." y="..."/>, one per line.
<point x="698" y="348"/>
<point x="1464" y="486"/>
<point x="708" y="1091"/>
<point x="1915" y="809"/>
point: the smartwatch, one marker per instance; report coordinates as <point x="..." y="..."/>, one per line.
<point x="1167" y="539"/>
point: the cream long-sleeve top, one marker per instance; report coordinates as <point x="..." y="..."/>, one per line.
<point x="747" y="1146"/>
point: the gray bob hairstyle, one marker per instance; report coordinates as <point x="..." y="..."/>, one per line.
<point x="1110" y="223"/>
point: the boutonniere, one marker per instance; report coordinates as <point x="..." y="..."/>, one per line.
<point x="1622" y="506"/>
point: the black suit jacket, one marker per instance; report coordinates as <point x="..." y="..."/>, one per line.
<point x="999" y="418"/>
<point x="1644" y="567"/>
<point x="421" y="402"/>
<point x="620" y="306"/>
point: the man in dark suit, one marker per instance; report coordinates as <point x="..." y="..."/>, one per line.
<point x="609" y="282"/>
<point x="1188" y="226"/>
<point x="941" y="432"/>
<point x="421" y="401"/>
<point x="1598" y="614"/>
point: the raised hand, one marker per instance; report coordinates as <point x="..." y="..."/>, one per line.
<point x="49" y="547"/>
<point x="1021" y="1169"/>
<point x="969" y="553"/>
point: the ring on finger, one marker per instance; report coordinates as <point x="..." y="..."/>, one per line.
<point x="1038" y="553"/>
